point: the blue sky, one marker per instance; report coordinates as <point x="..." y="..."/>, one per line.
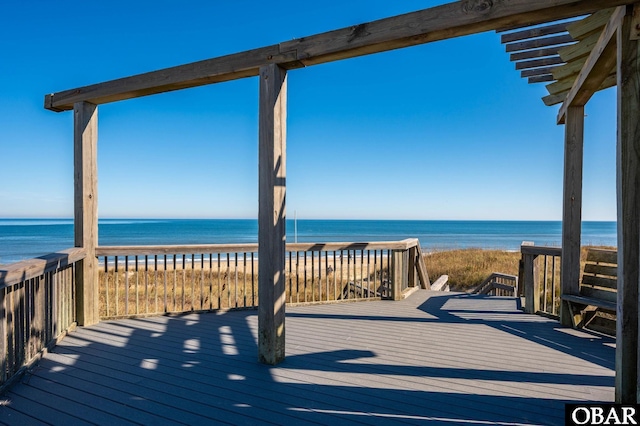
<point x="446" y="130"/>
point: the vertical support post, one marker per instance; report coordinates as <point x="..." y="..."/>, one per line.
<point x="272" y="215"/>
<point x="399" y="272"/>
<point x="85" y="222"/>
<point x="571" y="208"/>
<point x="628" y="194"/>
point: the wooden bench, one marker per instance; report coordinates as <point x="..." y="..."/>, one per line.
<point x="598" y="287"/>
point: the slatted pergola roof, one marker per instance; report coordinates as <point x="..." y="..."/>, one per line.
<point x="555" y="53"/>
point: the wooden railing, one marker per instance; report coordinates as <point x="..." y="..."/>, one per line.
<point x="539" y="279"/>
<point x="498" y="284"/>
<point x="147" y="280"/>
<point x="36" y="308"/>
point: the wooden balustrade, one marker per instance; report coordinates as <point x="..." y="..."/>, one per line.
<point x="38" y="297"/>
<point x="36" y="308"/>
<point x="539" y="279"/>
<point x="147" y="280"/>
<point x="498" y="284"/>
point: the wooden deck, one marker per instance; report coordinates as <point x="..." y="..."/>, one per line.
<point x="445" y="358"/>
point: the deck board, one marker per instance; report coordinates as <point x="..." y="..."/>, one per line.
<point x="444" y="357"/>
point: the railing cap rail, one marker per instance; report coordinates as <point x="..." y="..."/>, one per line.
<point x="32" y="268"/>
<point x="540" y="250"/>
<point x="251" y="248"/>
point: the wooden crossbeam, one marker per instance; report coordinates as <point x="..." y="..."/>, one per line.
<point x="438" y="23"/>
<point x="534" y="32"/>
<point x="539" y="42"/>
<point x="534" y="63"/>
<point x="599" y="66"/>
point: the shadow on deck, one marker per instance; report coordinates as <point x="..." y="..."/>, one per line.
<point x="441" y="357"/>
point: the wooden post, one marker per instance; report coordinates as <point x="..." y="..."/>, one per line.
<point x="86" y="210"/>
<point x="531" y="283"/>
<point x="628" y="194"/>
<point x="571" y="208"/>
<point x="272" y="215"/>
<point x="3" y="334"/>
<point x="399" y="272"/>
<point x="412" y="267"/>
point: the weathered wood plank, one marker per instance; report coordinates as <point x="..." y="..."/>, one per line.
<point x="532" y="72"/>
<point x="572" y="207"/>
<point x="600" y="281"/>
<point x="611" y="271"/>
<point x="587" y="301"/>
<point x="534" y="32"/>
<point x="598" y="66"/>
<point x="438" y="23"/>
<point x="628" y="195"/>
<point x="540" y="79"/>
<point x="600" y="294"/>
<point x="535" y="63"/>
<point x="535" y="53"/>
<point x="539" y="42"/>
<point x="603" y="256"/>
<point x="272" y="214"/>
<point x="85" y="223"/>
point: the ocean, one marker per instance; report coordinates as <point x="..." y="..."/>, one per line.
<point x="22" y="239"/>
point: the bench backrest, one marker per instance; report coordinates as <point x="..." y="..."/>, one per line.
<point x="600" y="275"/>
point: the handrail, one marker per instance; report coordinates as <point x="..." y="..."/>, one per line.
<point x="149" y="250"/>
<point x="541" y="250"/>
<point x="27" y="269"/>
<point x="491" y="284"/>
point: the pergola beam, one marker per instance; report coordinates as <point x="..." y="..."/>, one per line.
<point x="437" y="23"/>
<point x="597" y="67"/>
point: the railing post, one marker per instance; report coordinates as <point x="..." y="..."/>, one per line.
<point x="530" y="282"/>
<point x="3" y="335"/>
<point x="86" y="210"/>
<point x="399" y="272"/>
<point x="412" y="277"/>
